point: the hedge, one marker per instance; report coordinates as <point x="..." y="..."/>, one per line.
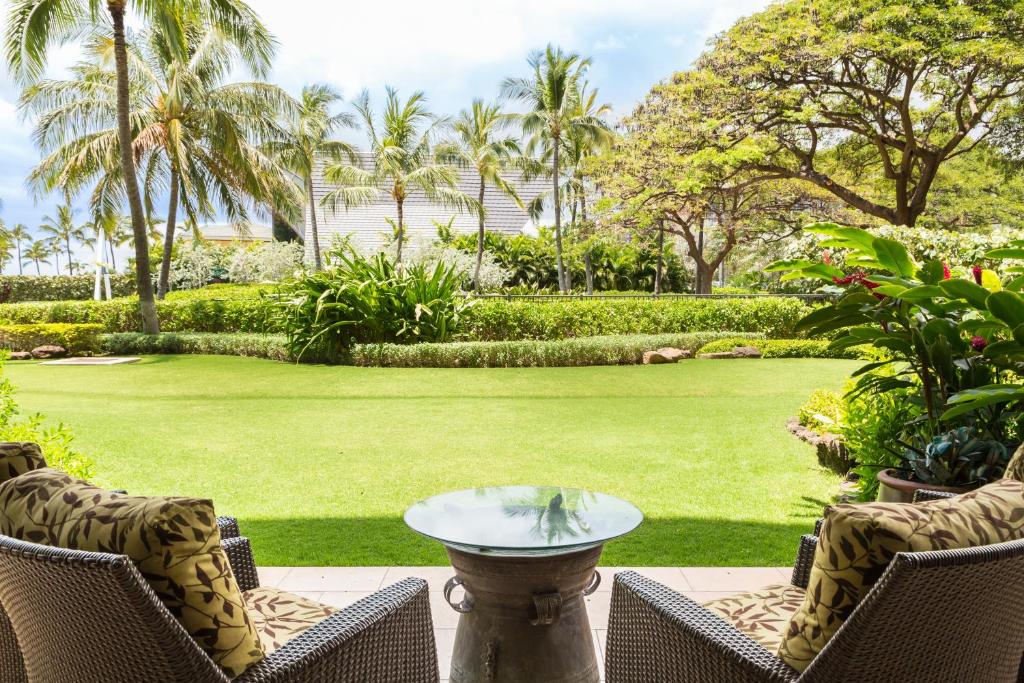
<point x="784" y="348"/>
<point x="612" y="350"/>
<point x="77" y="339"/>
<point x="19" y="288"/>
<point x="239" y="344"/>
<point x="499" y="319"/>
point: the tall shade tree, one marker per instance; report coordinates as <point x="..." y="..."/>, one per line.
<point x="833" y="91"/>
<point x="481" y="142"/>
<point x="18" y="234"/>
<point x="196" y="138"/>
<point x="38" y="252"/>
<point x="307" y="138"/>
<point x="402" y="161"/>
<point x="34" y="26"/>
<point x="62" y="230"/>
<point x="552" y="95"/>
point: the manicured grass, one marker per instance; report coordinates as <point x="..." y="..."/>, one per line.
<point x="320" y="462"/>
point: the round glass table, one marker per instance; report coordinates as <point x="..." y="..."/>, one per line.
<point x="525" y="556"/>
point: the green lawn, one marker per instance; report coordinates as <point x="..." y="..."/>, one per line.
<point x="320" y="462"/>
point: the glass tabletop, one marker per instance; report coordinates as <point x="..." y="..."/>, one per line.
<point x="523" y="520"/>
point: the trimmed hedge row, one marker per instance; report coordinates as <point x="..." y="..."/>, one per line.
<point x="270" y="346"/>
<point x="784" y="348"/>
<point x="77" y="339"/>
<point x="19" y="288"/>
<point x="501" y="320"/>
<point x="612" y="350"/>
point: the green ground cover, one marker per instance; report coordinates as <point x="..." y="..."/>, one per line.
<point x="320" y="462"/>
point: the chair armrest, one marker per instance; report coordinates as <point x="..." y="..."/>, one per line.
<point x="228" y="527"/>
<point x="243" y="566"/>
<point x="656" y="634"/>
<point x="385" y="637"/>
<point x="921" y="495"/>
<point x="804" y="561"/>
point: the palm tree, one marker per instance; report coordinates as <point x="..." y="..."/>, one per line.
<point x="33" y="26"/>
<point x="403" y="161"/>
<point x="63" y="231"/>
<point x="480" y="143"/>
<point x="19" y="233"/>
<point x="307" y="139"/>
<point x="37" y="253"/>
<point x="552" y="95"/>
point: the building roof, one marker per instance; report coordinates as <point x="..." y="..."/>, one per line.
<point x="368" y="225"/>
<point x="227" y="232"/>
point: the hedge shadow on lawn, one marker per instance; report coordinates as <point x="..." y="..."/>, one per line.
<point x="387" y="541"/>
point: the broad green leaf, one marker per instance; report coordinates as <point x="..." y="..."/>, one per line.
<point x="1006" y="252"/>
<point x="890" y="290"/>
<point x="790" y="264"/>
<point x="962" y="289"/>
<point x="922" y="292"/>
<point x="856" y="238"/>
<point x="931" y="272"/>
<point x="894" y="257"/>
<point x="1007" y="306"/>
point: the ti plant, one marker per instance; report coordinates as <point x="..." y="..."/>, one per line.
<point x="956" y="458"/>
<point x="958" y="340"/>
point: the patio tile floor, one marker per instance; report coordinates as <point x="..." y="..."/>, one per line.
<point x="341" y="586"/>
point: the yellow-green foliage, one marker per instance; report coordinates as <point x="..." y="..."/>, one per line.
<point x="78" y="339"/>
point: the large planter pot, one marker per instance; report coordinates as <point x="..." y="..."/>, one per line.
<point x="892" y="489"/>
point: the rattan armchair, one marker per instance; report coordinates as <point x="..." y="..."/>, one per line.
<point x="91" y="617"/>
<point x="932" y="616"/>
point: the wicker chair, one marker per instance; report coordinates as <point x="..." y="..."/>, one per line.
<point x="91" y="617"/>
<point x="932" y="616"/>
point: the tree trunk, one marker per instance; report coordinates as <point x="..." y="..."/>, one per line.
<point x="71" y="261"/>
<point x="18" y="245"/>
<point x="479" y="240"/>
<point x="143" y="280"/>
<point x="313" y="229"/>
<point x="113" y="258"/>
<point x="401" y="232"/>
<point x="661" y="260"/>
<point x="172" y="219"/>
<point x="588" y="263"/>
<point x="558" y="223"/>
<point x="39" y="271"/>
<point x="700" y="285"/>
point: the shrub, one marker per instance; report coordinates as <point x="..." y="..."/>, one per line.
<point x="270" y="262"/>
<point x="369" y="300"/>
<point x="78" y="339"/>
<point x="613" y="350"/>
<point x="500" y="319"/>
<point x="271" y="346"/>
<point x="823" y="412"/>
<point x="19" y="288"/>
<point x="784" y="348"/>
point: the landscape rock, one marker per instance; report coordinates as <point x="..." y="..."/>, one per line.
<point x="665" y="355"/>
<point x="49" y="351"/>
<point x="746" y="352"/>
<point x="20" y="355"/>
<point x="720" y="354"/>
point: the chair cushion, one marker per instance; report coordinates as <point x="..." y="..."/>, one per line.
<point x="857" y="542"/>
<point x="763" y="615"/>
<point x="280" y="616"/>
<point x="17" y="458"/>
<point x="174" y="542"/>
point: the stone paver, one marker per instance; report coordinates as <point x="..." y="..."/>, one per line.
<point x="341" y="586"/>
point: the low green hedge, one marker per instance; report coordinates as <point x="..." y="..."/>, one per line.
<point x="501" y="320"/>
<point x="77" y="339"/>
<point x="18" y="288"/>
<point x="610" y="350"/>
<point x="783" y="348"/>
<point x="270" y="346"/>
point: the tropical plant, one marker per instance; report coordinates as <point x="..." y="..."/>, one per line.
<point x="480" y="143"/>
<point x="33" y="26"/>
<point x="62" y="230"/>
<point x="553" y="95"/>
<point x="401" y="147"/>
<point x="38" y="252"/>
<point x="955" y="458"/>
<point x="306" y="139"/>
<point x="18" y="234"/>
<point x="356" y="299"/>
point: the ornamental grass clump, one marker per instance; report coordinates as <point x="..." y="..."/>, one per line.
<point x="369" y="300"/>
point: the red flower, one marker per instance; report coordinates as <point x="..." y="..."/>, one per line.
<point x="826" y="257"/>
<point x="976" y="270"/>
<point x="945" y="271"/>
<point x="861" y="279"/>
<point x="979" y="343"/>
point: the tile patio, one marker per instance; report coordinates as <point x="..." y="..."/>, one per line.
<point x="341" y="586"/>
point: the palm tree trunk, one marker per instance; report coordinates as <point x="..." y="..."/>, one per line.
<point x="313" y="229"/>
<point x="18" y="243"/>
<point x="113" y="258"/>
<point x="558" y="222"/>
<point x="71" y="267"/>
<point x="401" y="231"/>
<point x="479" y="240"/>
<point x="661" y="260"/>
<point x="39" y="271"/>
<point x="172" y="219"/>
<point x="143" y="281"/>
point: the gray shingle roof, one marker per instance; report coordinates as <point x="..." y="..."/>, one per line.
<point x="368" y="227"/>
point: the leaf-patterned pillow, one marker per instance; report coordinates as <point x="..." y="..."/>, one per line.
<point x="857" y="542"/>
<point x="174" y="542"/>
<point x="17" y="458"/>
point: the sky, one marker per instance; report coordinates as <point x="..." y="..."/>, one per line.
<point x="453" y="50"/>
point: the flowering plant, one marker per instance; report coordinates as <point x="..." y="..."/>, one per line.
<point x="956" y="341"/>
